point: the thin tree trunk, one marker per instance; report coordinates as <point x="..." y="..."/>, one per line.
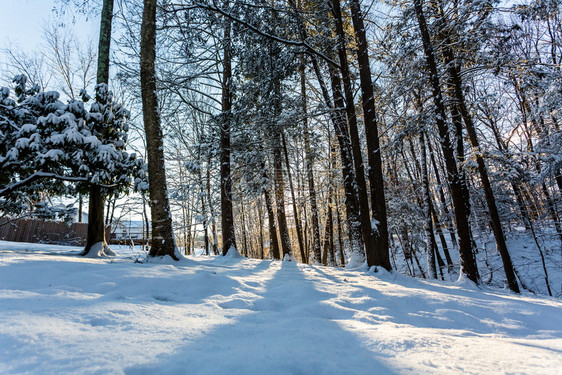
<point x="273" y="241"/>
<point x="448" y="222"/>
<point x="227" y="216"/>
<point x="361" y="184"/>
<point x="245" y="251"/>
<point x="146" y="223"/>
<point x="187" y="228"/>
<point x="203" y="205"/>
<point x="430" y="238"/>
<point x="211" y="208"/>
<point x="488" y="192"/>
<point x="459" y="190"/>
<point x="280" y="201"/>
<point x="295" y="211"/>
<point x="340" y="238"/>
<point x="340" y="128"/>
<point x="444" y="246"/>
<point x="352" y="208"/>
<point x="328" y="237"/>
<point x="260" y="225"/>
<point x="96" y="227"/>
<point x="80" y="207"/>
<point x="309" y="174"/>
<point x="380" y="257"/>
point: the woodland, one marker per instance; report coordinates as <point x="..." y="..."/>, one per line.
<point x="415" y="136"/>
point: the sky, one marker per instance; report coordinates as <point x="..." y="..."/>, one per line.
<point x="22" y="22"/>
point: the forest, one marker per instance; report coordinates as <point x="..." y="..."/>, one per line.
<point x="421" y="137"/>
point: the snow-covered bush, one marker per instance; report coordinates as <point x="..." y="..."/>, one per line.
<point x="50" y="148"/>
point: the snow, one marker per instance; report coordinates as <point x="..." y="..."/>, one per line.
<point x="63" y="313"/>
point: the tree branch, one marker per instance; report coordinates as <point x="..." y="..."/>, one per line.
<point x="41" y="174"/>
<point x="296" y="43"/>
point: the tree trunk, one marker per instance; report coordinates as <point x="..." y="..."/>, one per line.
<point x="310" y="175"/>
<point x="295" y="211"/>
<point x="437" y="225"/>
<point x="380" y="256"/>
<point x="227" y="216"/>
<point x="96" y="233"/>
<point x="80" y="207"/>
<point x="488" y="192"/>
<point x="459" y="190"/>
<point x="340" y="239"/>
<point x="430" y="238"/>
<point x="280" y="201"/>
<point x="260" y="228"/>
<point x="338" y="121"/>
<point x="273" y="241"/>
<point x="329" y="237"/>
<point x="245" y="250"/>
<point x="96" y="228"/>
<point x="361" y="184"/>
<point x="352" y="207"/>
<point x="211" y="208"/>
<point x="447" y="221"/>
<point x="203" y="204"/>
<point x="162" y="234"/>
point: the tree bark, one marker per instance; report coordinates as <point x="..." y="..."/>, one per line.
<point x="310" y="174"/>
<point x="380" y="256"/>
<point x="211" y="208"/>
<point x="430" y="238"/>
<point x="459" y="190"/>
<point x="96" y="228"/>
<point x="162" y="234"/>
<point x="488" y="192"/>
<point x="295" y="211"/>
<point x="260" y="225"/>
<point x="352" y="207"/>
<point x="273" y="241"/>
<point x="227" y="216"/>
<point x="340" y="127"/>
<point x="360" y="182"/>
<point x="280" y="201"/>
<point x="448" y="223"/>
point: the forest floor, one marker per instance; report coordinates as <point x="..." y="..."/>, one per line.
<point x="61" y="313"/>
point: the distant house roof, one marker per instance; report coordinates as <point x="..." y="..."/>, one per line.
<point x="130" y="223"/>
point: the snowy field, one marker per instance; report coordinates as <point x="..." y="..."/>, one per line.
<point x="60" y="313"/>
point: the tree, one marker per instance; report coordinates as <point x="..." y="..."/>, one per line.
<point x="63" y="149"/>
<point x="457" y="183"/>
<point x="163" y="242"/>
<point x="96" y="226"/>
<point x="227" y="216"/>
<point x="380" y="255"/>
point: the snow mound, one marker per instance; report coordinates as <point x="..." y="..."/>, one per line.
<point x="233" y="253"/>
<point x="99" y="250"/>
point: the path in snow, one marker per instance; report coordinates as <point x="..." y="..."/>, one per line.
<point x="60" y="313"/>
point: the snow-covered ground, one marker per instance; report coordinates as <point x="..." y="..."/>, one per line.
<point x="61" y="313"/>
<point x="525" y="257"/>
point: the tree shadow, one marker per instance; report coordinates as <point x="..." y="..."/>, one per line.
<point x="434" y="304"/>
<point x="285" y="328"/>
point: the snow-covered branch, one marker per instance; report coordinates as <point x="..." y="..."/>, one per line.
<point x="257" y="30"/>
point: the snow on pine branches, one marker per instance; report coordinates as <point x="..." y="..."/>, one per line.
<point x="48" y="147"/>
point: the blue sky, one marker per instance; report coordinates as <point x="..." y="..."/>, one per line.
<point x="22" y="21"/>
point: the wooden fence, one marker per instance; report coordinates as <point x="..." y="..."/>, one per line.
<point x="38" y="231"/>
